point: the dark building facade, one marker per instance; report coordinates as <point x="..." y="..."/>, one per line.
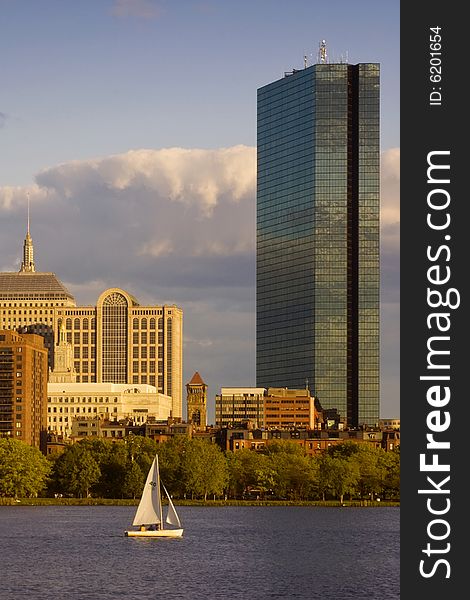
<point x="23" y="388"/>
<point x="318" y="203"/>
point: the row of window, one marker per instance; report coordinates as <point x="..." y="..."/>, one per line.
<point x="33" y="304"/>
<point x="78" y="410"/>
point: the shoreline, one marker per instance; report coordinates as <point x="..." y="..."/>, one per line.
<point x="207" y="503"/>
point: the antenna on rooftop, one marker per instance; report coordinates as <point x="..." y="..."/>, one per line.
<point x="27" y="196"/>
<point x="322" y="55"/>
<point x="307" y="59"/>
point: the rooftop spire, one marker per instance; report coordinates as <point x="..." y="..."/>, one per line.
<point x="322" y="55"/>
<point x="27" y="266"/>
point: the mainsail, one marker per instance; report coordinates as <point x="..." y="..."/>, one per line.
<point x="150" y="506"/>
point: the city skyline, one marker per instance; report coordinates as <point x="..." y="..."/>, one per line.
<point x="162" y="203"/>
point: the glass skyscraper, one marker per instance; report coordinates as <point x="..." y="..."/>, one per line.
<point x="318" y="204"/>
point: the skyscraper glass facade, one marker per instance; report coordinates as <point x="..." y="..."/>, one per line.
<point x="318" y="203"/>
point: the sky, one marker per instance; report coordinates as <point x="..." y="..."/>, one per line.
<point x="131" y="125"/>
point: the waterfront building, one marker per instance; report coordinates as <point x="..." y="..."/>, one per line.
<point x="318" y="205"/>
<point x="117" y="341"/>
<point x="71" y="403"/>
<point x="23" y="388"/>
<point x="312" y="441"/>
<point x="237" y="404"/>
<point x="120" y="341"/>
<point x="289" y="409"/>
<point x="196" y="401"/>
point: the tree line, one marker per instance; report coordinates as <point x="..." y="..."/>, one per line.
<point x="195" y="469"/>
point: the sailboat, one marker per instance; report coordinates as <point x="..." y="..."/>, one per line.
<point x="149" y="513"/>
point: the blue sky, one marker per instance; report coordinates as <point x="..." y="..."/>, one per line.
<point x="91" y="80"/>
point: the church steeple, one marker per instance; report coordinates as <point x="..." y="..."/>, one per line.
<point x="27" y="266"/>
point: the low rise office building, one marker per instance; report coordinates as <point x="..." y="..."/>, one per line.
<point x="287" y="409"/>
<point x="67" y="402"/>
<point x="237" y="404"/>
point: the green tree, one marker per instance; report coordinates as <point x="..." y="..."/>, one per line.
<point x="111" y="459"/>
<point x="142" y="449"/>
<point x="285" y="447"/>
<point x="338" y="475"/>
<point x="204" y="469"/>
<point x="248" y="469"/>
<point x="76" y="470"/>
<point x="23" y="469"/>
<point x="344" y="449"/>
<point x="133" y="481"/>
<point x="372" y="470"/>
<point x="170" y="459"/>
<point x="296" y="475"/>
<point x="114" y="466"/>
<point x="264" y="476"/>
<point x="391" y="464"/>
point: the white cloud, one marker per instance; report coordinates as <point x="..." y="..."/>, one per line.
<point x="192" y="177"/>
<point x="173" y="225"/>
<point x="175" y="218"/>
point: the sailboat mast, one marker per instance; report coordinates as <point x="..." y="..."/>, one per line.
<point x="159" y="493"/>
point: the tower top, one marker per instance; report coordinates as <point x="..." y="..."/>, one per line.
<point x="322" y="55"/>
<point x="196" y="379"/>
<point x="27" y="266"/>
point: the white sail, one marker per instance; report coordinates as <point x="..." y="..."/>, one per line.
<point x="150" y="507"/>
<point x="172" y="517"/>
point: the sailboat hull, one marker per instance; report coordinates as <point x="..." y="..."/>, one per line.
<point x="172" y="533"/>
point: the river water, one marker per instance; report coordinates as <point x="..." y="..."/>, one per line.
<point x="247" y="553"/>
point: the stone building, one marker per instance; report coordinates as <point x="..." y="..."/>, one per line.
<point x="68" y="403"/>
<point x="196" y="398"/>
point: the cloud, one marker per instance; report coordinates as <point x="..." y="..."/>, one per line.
<point x="144" y="9"/>
<point x="3" y="119"/>
<point x="390" y="282"/>
<point x="390" y="187"/>
<point x="182" y="218"/>
<point x="158" y="248"/>
<point x="174" y="225"/>
<point x="176" y="219"/>
<point x="202" y="179"/>
<point x="390" y="225"/>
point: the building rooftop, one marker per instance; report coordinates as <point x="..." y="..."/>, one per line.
<point x="102" y="388"/>
<point x="27" y="284"/>
<point x="196" y="379"/>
